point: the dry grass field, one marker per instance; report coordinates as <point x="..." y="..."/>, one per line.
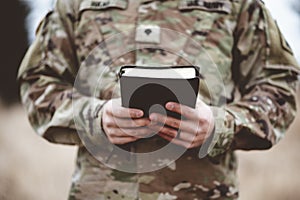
<point x="33" y="169"/>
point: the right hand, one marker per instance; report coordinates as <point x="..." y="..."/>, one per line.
<point x="124" y="125"/>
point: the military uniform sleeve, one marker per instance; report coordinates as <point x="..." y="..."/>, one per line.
<point x="265" y="72"/>
<point x="46" y="78"/>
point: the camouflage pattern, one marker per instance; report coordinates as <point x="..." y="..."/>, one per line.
<point x="256" y="64"/>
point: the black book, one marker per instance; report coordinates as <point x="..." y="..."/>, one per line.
<point x="150" y="88"/>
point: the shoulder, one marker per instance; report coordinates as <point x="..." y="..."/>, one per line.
<point x="252" y="4"/>
<point x="68" y="6"/>
<point x="252" y="12"/>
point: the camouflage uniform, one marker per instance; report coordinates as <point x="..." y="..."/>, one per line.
<point x="256" y="64"/>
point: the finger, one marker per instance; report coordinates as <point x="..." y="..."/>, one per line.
<point x="185" y="125"/>
<point x="186" y="111"/>
<point x="122" y="112"/>
<point x="166" y="130"/>
<point x="122" y="140"/>
<point x="176" y="141"/>
<point x="163" y="119"/>
<point x="127" y="123"/>
<point x="190" y="138"/>
<point x="140" y="132"/>
<point x="128" y="132"/>
<point x="195" y="140"/>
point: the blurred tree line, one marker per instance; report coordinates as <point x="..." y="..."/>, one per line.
<point x="13" y="40"/>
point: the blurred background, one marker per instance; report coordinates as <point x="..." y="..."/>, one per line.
<point x="33" y="169"/>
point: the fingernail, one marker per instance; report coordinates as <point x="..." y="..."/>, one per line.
<point x="153" y="117"/>
<point x="139" y="114"/>
<point x="170" y="106"/>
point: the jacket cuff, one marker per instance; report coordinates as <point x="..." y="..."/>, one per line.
<point x="223" y="134"/>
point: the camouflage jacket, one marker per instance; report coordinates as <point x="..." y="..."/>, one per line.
<point x="256" y="65"/>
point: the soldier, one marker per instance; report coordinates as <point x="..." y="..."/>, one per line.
<point x="258" y="71"/>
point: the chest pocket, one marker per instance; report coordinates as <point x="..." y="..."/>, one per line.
<point x="211" y="16"/>
<point x="97" y="21"/>
<point x="213" y="29"/>
<point x="101" y="19"/>
<point x="103" y="14"/>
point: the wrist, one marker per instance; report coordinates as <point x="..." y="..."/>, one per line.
<point x="222" y="133"/>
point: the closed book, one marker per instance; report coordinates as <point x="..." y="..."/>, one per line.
<point x="150" y="88"/>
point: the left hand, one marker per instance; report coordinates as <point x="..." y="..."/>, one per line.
<point x="194" y="130"/>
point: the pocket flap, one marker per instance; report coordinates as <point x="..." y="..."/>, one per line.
<point x="223" y="6"/>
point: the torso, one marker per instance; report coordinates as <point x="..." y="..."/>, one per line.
<point x="189" y="32"/>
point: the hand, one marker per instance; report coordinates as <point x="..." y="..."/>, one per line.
<point x="197" y="127"/>
<point x="124" y="125"/>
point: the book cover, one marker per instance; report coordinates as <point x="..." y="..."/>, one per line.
<point x="150" y="88"/>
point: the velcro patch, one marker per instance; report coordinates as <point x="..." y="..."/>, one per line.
<point x="207" y="5"/>
<point x="148" y="33"/>
<point x="285" y="45"/>
<point x="103" y="4"/>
